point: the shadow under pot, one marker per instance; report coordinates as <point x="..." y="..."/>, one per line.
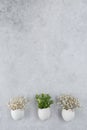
<point x="17" y="114"/>
<point x="68" y="115"/>
<point x="44" y="114"/>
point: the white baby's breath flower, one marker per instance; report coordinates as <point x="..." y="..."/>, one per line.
<point x="17" y="103"/>
<point x="68" y="102"/>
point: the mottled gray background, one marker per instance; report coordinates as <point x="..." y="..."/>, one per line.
<point x="43" y="48"/>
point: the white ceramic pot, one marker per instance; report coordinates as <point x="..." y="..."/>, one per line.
<point x="44" y="114"/>
<point x="17" y="114"/>
<point x="68" y="115"/>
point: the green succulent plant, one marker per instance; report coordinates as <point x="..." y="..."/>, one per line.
<point x="43" y="100"/>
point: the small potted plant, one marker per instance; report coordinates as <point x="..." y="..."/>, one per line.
<point x="68" y="104"/>
<point x="17" y="106"/>
<point x="44" y="102"/>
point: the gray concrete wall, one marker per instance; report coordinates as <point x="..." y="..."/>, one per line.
<point x="43" y="48"/>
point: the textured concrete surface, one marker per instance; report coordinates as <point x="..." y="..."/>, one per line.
<point x="43" y="48"/>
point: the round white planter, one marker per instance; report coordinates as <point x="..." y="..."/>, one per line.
<point x="68" y="115"/>
<point x="44" y="114"/>
<point x="17" y="114"/>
